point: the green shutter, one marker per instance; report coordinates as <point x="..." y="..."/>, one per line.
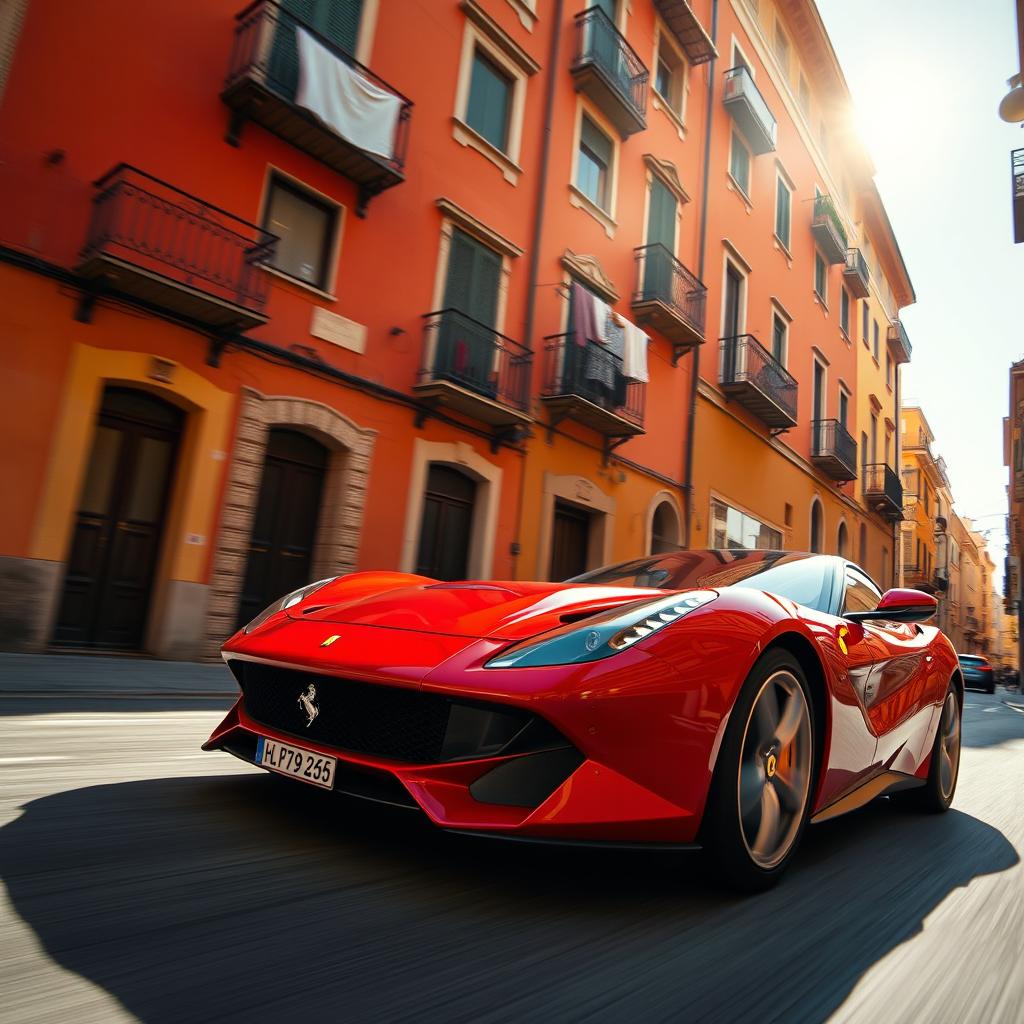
<point x="782" y="214"/>
<point x="661" y="231"/>
<point x="474" y="276"/>
<point x="596" y="141"/>
<point x="338" y="20"/>
<point x="489" y="95"/>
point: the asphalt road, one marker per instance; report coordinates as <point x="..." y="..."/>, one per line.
<point x="144" y="879"/>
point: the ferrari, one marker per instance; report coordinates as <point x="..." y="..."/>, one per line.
<point x="719" y="699"/>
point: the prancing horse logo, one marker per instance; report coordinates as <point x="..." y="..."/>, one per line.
<point x="306" y="703"/>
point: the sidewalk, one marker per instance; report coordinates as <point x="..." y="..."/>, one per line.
<point x="29" y="675"/>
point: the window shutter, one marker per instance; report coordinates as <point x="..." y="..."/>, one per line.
<point x="474" y="275"/>
<point x="596" y="141"/>
<point x="487" y="110"/>
<point x="338" y="20"/>
<point x="661" y="218"/>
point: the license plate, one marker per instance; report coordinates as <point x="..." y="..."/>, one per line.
<point x="296" y="762"/>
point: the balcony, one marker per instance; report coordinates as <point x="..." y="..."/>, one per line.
<point x="608" y="71"/>
<point x="940" y="581"/>
<point x="940" y="524"/>
<point x="883" y="490"/>
<point x="833" y="450"/>
<point x="754" y="378"/>
<point x="897" y="337"/>
<point x="668" y="298"/>
<point x="167" y="249"/>
<point x="828" y="230"/>
<point x="263" y="86"/>
<point x="471" y="368"/>
<point x="585" y="383"/>
<point x="856" y="275"/>
<point x="748" y="109"/>
<point x="686" y="27"/>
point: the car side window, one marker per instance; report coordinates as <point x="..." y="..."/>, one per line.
<point x="861" y="596"/>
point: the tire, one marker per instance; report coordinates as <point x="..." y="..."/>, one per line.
<point x="935" y="796"/>
<point x="991" y="688"/>
<point x="761" y="791"/>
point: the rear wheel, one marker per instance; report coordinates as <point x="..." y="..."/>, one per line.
<point x="937" y="793"/>
<point x="760" y="794"/>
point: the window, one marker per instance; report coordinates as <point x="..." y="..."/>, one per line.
<point x="490" y="101"/>
<point x="306" y="226"/>
<point x="670" y="76"/>
<point x="593" y="168"/>
<point x="861" y="594"/>
<point x="820" y="277"/>
<point x="844" y="407"/>
<point x="782" y="49"/>
<point x="864" y="322"/>
<point x="844" y="311"/>
<point x="739" y="164"/>
<point x="780" y="330"/>
<point x="888" y="372"/>
<point x="816" y="526"/>
<point x="783" y="204"/>
<point x="874" y="340"/>
<point x="805" y="96"/>
<point x="731" y="528"/>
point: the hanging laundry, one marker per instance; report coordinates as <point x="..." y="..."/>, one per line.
<point x="584" y="325"/>
<point x="601" y="311"/>
<point x="634" y="356"/>
<point x="346" y="101"/>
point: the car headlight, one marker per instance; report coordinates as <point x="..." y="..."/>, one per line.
<point x="285" y="602"/>
<point x="601" y="636"/>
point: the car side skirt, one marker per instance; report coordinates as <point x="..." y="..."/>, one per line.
<point x="877" y="785"/>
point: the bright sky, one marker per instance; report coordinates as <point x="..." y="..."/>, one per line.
<point x="927" y="77"/>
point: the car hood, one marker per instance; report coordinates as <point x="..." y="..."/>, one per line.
<point x="474" y="610"/>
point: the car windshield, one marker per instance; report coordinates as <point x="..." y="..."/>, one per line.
<point x="970" y="659"/>
<point x="805" y="579"/>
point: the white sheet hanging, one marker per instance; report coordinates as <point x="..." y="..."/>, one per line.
<point x="634" y="356"/>
<point x="346" y="101"/>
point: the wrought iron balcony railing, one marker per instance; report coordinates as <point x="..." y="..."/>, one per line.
<point x="155" y="243"/>
<point x="262" y="84"/>
<point x="475" y="369"/>
<point x="586" y="383"/>
<point x="756" y="379"/>
<point x="828" y="230"/>
<point x="669" y="297"/>
<point x="897" y="336"/>
<point x="856" y="274"/>
<point x="833" y="450"/>
<point x="748" y="109"/>
<point x="882" y="489"/>
<point x="607" y="69"/>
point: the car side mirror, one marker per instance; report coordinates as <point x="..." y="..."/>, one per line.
<point x="899" y="605"/>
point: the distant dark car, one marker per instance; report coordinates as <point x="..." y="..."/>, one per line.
<point x="978" y="674"/>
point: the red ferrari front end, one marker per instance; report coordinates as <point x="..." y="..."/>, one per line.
<point x="401" y="690"/>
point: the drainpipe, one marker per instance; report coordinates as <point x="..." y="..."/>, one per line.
<point x="538" y="229"/>
<point x="691" y="415"/>
<point x="896" y="531"/>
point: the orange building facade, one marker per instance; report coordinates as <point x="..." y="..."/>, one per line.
<point x="472" y="289"/>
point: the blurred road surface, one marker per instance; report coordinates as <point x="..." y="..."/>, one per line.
<point x="146" y="880"/>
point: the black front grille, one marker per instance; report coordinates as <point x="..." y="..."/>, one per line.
<point x="385" y="721"/>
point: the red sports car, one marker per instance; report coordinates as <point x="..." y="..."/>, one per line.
<point x="719" y="699"/>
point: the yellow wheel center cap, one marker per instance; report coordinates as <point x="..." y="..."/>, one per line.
<point x="770" y="765"/>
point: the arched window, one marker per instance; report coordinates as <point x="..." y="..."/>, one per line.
<point x="816" y="525"/>
<point x="842" y="541"/>
<point x="862" y="555"/>
<point x="665" y="534"/>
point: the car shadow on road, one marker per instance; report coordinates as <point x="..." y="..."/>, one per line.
<point x="221" y="897"/>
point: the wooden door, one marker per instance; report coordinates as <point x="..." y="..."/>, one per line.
<point x="570" y="536"/>
<point x="119" y="524"/>
<point x="447" y="524"/>
<point x="284" y="528"/>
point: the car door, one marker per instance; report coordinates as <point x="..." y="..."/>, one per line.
<point x="896" y="688"/>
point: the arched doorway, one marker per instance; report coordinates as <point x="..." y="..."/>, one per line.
<point x="119" y="523"/>
<point x="284" y="527"/>
<point x="816" y="525"/>
<point x="842" y="541"/>
<point x="665" y="534"/>
<point x="447" y="523"/>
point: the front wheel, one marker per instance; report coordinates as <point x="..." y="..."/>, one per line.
<point x="937" y="793"/>
<point x="761" y="790"/>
